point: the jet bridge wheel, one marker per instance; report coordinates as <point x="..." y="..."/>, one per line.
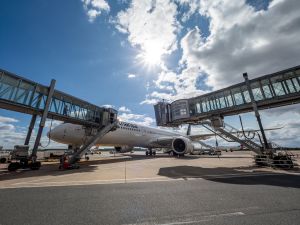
<point x="35" y="165"/>
<point x="283" y="161"/>
<point x="13" y="166"/>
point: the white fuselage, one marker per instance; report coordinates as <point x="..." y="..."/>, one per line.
<point x="126" y="134"/>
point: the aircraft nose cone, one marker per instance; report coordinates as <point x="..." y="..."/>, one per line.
<point x="53" y="134"/>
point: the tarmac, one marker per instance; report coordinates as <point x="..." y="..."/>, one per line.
<point x="135" y="189"/>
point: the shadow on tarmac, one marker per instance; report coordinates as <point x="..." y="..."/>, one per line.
<point x="85" y="166"/>
<point x="238" y="175"/>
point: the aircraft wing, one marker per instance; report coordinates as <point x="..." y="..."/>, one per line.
<point x="201" y="136"/>
<point x="239" y="133"/>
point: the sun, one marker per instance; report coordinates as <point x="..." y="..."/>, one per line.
<point x="151" y="54"/>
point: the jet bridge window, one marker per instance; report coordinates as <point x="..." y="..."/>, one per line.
<point x="198" y="108"/>
<point x="228" y="98"/>
<point x="247" y="96"/>
<point x="256" y="91"/>
<point x="222" y="102"/>
<point x="182" y="112"/>
<point x="204" y="106"/>
<point x="296" y="83"/>
<point x="266" y="88"/>
<point x="237" y="96"/>
<point x="290" y="86"/>
<point x="277" y="85"/>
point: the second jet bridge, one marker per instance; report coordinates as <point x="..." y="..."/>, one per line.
<point x="272" y="90"/>
<point x="23" y="95"/>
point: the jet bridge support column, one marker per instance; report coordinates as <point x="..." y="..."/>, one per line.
<point x="31" y="126"/>
<point x="43" y="120"/>
<point x="257" y="115"/>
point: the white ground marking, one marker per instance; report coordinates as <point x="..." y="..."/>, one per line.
<point x="203" y="219"/>
<point x="206" y="218"/>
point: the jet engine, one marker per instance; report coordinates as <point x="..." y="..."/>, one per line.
<point x="182" y="145"/>
<point x="124" y="149"/>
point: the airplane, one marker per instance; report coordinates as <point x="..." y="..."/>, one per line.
<point x="130" y="135"/>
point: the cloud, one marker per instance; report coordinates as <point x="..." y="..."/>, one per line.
<point x="108" y="106"/>
<point x="4" y="119"/>
<point x="137" y="118"/>
<point x="94" y="8"/>
<point x="150" y="24"/>
<point x="124" y="109"/>
<point x="11" y="135"/>
<point x="130" y="75"/>
<point x="288" y="136"/>
<point x="149" y="101"/>
<point x="243" y="40"/>
<point x="7" y="127"/>
<point x="291" y="109"/>
<point x="52" y="123"/>
<point x="172" y="86"/>
<point x="193" y="6"/>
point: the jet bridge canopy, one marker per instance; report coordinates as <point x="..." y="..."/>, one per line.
<point x="272" y="90"/>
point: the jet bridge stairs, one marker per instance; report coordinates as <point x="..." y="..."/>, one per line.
<point x="94" y="138"/>
<point x="263" y="157"/>
<point x="231" y="134"/>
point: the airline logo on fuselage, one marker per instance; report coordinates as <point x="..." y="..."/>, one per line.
<point x="129" y="125"/>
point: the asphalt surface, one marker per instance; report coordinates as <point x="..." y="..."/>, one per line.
<point x="232" y="199"/>
<point x="135" y="189"/>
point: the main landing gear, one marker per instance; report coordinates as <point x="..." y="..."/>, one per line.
<point x="150" y="152"/>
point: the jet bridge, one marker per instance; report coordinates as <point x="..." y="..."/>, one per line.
<point x="23" y="95"/>
<point x="269" y="91"/>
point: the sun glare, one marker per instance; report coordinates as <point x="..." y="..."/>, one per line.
<point x="151" y="55"/>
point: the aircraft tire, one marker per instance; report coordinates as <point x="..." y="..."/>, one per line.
<point x="177" y="155"/>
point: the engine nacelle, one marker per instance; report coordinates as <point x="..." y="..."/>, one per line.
<point x="123" y="149"/>
<point x="182" y="146"/>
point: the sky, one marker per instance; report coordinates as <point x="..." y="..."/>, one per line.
<point x="129" y="54"/>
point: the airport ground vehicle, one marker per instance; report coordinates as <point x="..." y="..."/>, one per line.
<point x="50" y="153"/>
<point x="4" y="157"/>
<point x="20" y="158"/>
